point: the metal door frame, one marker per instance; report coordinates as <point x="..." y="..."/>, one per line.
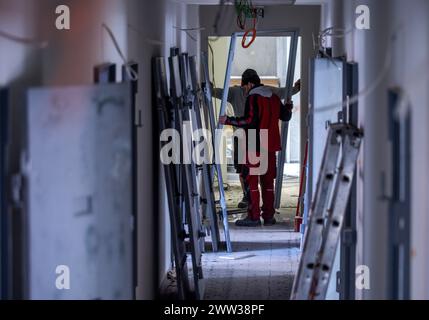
<point x="346" y="278"/>
<point x="400" y="200"/>
<point x="136" y="124"/>
<point x="294" y="34"/>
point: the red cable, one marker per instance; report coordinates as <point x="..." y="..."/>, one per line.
<point x="243" y="41"/>
<point x="241" y="23"/>
<point x="301" y="182"/>
<point x="253" y="30"/>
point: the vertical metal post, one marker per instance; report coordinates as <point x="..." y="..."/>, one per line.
<point x="349" y="235"/>
<point x="136" y="120"/>
<point x="285" y="124"/>
<point x="209" y="101"/>
<point x="218" y="140"/>
<point x="226" y="82"/>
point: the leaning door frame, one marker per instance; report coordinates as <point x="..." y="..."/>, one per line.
<point x="289" y="32"/>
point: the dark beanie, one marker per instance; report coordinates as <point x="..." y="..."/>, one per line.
<point x="251" y="76"/>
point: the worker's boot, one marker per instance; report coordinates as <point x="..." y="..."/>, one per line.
<point x="270" y="221"/>
<point x="243" y="203"/>
<point x="247" y="222"/>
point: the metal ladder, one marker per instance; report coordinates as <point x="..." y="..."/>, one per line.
<point x="327" y="212"/>
<point x="206" y="190"/>
<point x="183" y="103"/>
<point x="171" y="181"/>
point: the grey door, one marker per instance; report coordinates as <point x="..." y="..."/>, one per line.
<point x="326" y="96"/>
<point x="79" y="196"/>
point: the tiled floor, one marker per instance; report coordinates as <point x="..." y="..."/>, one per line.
<point x="261" y="267"/>
<point x="264" y="259"/>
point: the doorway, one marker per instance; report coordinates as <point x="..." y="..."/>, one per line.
<point x="264" y="259"/>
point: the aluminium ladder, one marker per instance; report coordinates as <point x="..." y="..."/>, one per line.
<point x="171" y="181"/>
<point x="327" y="212"/>
<point x="182" y="103"/>
<point x="206" y="192"/>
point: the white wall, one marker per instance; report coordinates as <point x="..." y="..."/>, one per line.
<point x="19" y="68"/>
<point x="143" y="29"/>
<point x="408" y="70"/>
<point x="19" y="64"/>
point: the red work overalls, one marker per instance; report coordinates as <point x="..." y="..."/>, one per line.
<point x="262" y="114"/>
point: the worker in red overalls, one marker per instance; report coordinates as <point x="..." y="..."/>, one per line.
<point x="263" y="110"/>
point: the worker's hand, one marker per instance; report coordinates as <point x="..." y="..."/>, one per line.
<point x="297" y="86"/>
<point x="289" y="105"/>
<point x="222" y="119"/>
<point x="204" y="86"/>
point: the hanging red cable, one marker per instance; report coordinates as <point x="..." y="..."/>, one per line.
<point x="243" y="41"/>
<point x="252" y="30"/>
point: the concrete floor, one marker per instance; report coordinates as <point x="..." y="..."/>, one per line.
<point x="264" y="260"/>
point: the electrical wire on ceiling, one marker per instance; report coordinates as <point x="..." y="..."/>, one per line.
<point x="188" y="30"/>
<point x="244" y="9"/>
<point x="132" y="74"/>
<point x="25" y="41"/>
<point x="332" y="32"/>
<point x="141" y="34"/>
